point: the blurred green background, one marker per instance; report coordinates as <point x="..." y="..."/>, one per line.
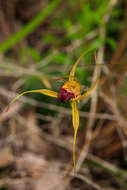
<point x="40" y="40"/>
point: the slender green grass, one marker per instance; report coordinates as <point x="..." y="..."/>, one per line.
<point x="115" y="171"/>
<point x="26" y="30"/>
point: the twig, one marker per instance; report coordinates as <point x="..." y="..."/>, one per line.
<point x="100" y="58"/>
<point x="124" y="141"/>
<point x="122" y="38"/>
<point x="114" y="108"/>
<point x="112" y="169"/>
<point x="90" y="182"/>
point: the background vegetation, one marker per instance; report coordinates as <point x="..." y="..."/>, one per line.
<point x="39" y="41"/>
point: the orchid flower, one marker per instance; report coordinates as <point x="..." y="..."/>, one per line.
<point x="69" y="91"/>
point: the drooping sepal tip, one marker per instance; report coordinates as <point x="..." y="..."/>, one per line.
<point x="75" y="119"/>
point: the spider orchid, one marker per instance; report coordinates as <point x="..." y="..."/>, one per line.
<point x="69" y="91"/>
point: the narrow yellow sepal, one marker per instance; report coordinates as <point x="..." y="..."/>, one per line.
<point x="94" y="84"/>
<point x="72" y="73"/>
<point x="75" y="120"/>
<point x="43" y="91"/>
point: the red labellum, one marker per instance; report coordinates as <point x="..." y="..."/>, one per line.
<point x="70" y="90"/>
<point x="65" y="95"/>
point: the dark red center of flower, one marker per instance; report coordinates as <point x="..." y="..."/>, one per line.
<point x="65" y="95"/>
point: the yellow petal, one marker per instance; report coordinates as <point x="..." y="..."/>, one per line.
<point x="43" y="91"/>
<point x="48" y="93"/>
<point x="75" y="119"/>
<point x="94" y="84"/>
<point x="72" y="73"/>
<point x="73" y="87"/>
